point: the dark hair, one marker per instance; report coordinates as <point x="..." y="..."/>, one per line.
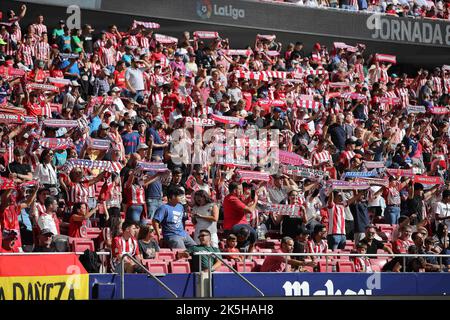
<point x="440" y="230"/>
<point x="177" y="170"/>
<point x="127" y="224"/>
<point x="48" y="201"/>
<point x="389" y="266"/>
<point x="243" y="232"/>
<point x="233" y="186"/>
<point x="204" y="194"/>
<point x="318" y="228"/>
<point x="174" y="191"/>
<point x="144" y="231"/>
<point x="414" y="235"/>
<point x="44" y="153"/>
<point x="205" y="231"/>
<point x="77" y="206"/>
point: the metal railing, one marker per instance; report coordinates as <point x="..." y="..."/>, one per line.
<point x="326" y="255"/>
<point x="122" y="275"/>
<point x="229" y="267"/>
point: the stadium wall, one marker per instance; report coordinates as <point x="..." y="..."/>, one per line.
<point x="228" y="285"/>
<point x="415" y="42"/>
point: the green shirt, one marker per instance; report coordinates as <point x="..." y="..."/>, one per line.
<point x="75" y="41"/>
<point x="204" y="258"/>
<point x="57" y="33"/>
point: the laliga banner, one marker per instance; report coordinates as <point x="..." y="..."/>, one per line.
<point x="43" y="277"/>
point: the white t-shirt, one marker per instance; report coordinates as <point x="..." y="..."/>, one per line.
<point x="443" y="211"/>
<point x="46" y="221"/>
<point x="136" y="78"/>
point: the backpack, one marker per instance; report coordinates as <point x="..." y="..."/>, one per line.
<point x="90" y="261"/>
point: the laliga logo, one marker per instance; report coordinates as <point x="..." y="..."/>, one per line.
<point x="204" y="9"/>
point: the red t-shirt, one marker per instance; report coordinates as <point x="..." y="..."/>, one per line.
<point x="247" y="96"/>
<point x="168" y="104"/>
<point x="158" y="56"/>
<point x="74" y="227"/>
<point x="274" y="263"/>
<point x="119" y="79"/>
<point x="39" y="74"/>
<point x="401" y="246"/>
<point x="10" y="221"/>
<point x="233" y="212"/>
<point x="33" y="109"/>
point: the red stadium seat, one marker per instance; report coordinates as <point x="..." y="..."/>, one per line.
<point x="80" y="245"/>
<point x="93" y="233"/>
<point x="345" y="266"/>
<point x="165" y="256"/>
<point x="308" y="268"/>
<point x="248" y="266"/>
<point x="376" y="268"/>
<point x="180" y="267"/>
<point x="155" y="266"/>
<point x="223" y="268"/>
<point x="322" y="265"/>
<point x="380" y="262"/>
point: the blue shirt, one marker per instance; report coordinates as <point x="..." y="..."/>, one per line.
<point x="64" y="42"/>
<point x="130" y="142"/>
<point x="95" y="124"/>
<point x="60" y="158"/>
<point x="73" y="69"/>
<point x="156" y="139"/>
<point x="24" y="218"/>
<point x="127" y="58"/>
<point x="171" y="220"/>
<point x="154" y="190"/>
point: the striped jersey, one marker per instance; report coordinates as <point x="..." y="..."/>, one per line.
<point x="336" y="219"/>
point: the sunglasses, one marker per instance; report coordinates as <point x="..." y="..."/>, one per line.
<point x="203" y="235"/>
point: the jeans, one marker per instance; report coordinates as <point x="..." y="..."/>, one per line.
<point x="138" y="96"/>
<point x="336" y="241"/>
<point x="391" y="214"/>
<point x="152" y="206"/>
<point x="179" y="242"/>
<point x="134" y="213"/>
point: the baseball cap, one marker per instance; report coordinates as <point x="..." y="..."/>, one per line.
<point x="62" y="22"/>
<point x="106" y="71"/>
<point x="104" y="126"/>
<point x="79" y="107"/>
<point x="142" y="146"/>
<point x="116" y="89"/>
<point x="46" y="231"/>
<point x="277" y="109"/>
<point x="74" y="83"/>
<point x="159" y="119"/>
<point x="350" y="141"/>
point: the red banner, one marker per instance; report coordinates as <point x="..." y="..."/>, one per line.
<point x="428" y="180"/>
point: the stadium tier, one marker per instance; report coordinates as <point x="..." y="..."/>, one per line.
<point x="148" y="157"/>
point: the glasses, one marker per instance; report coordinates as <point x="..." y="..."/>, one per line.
<point x="203" y="235"/>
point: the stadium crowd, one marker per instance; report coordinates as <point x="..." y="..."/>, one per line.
<point x="92" y="122"/>
<point x="403" y="8"/>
